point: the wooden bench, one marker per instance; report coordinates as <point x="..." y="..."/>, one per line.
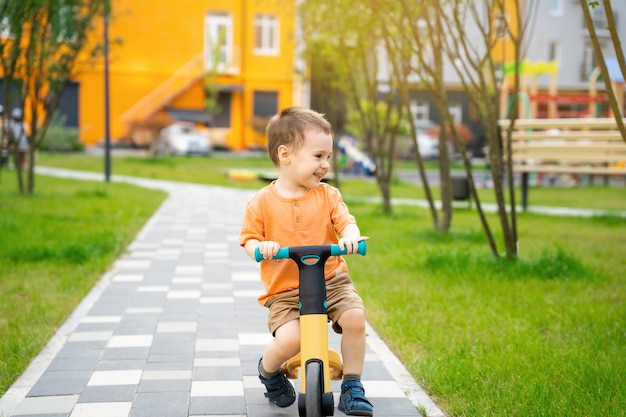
<point x="565" y="146"/>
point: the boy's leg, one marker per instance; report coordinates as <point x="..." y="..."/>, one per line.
<point x="285" y="344"/>
<point x="353" y="342"/>
<point x="353" y="401"/>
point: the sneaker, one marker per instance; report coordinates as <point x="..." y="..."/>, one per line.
<point x="353" y="402"/>
<point x="279" y="389"/>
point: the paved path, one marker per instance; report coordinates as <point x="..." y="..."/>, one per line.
<point x="173" y="329"/>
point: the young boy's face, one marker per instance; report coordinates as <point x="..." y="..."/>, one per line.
<point x="310" y="164"/>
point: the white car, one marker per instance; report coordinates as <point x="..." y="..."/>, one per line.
<point x="183" y="138"/>
<point x="428" y="146"/>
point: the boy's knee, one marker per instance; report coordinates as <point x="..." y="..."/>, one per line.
<point x="353" y="320"/>
<point x="287" y="338"/>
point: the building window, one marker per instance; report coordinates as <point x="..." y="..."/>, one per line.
<point x="218" y="35"/>
<point x="421" y="112"/>
<point x="554" y="52"/>
<point x="501" y="25"/>
<point x="456" y="111"/>
<point x="589" y="63"/>
<point x="266" y="34"/>
<point x="556" y="7"/>
<point x="265" y="103"/>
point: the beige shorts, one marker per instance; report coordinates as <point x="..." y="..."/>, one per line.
<point x="340" y="296"/>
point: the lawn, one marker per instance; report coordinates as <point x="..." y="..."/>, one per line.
<point x="544" y="336"/>
<point x="214" y="170"/>
<point x="54" y="245"/>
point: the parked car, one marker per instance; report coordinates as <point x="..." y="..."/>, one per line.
<point x="183" y="138"/>
<point x="428" y="146"/>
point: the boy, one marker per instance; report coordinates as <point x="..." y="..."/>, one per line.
<point x="297" y="209"/>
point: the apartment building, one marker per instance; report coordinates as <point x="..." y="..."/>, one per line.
<point x="165" y="56"/>
<point x="557" y="34"/>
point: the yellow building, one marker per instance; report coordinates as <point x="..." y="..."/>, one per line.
<point x="163" y="53"/>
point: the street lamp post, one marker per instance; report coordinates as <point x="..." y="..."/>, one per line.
<point x="107" y="133"/>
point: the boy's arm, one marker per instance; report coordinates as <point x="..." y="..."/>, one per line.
<point x="350" y="238"/>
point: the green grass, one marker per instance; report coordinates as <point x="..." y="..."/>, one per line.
<point x="54" y="245"/>
<point x="541" y="337"/>
<point x="214" y="170"/>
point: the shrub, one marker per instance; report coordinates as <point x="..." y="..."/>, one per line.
<point x="60" y="138"/>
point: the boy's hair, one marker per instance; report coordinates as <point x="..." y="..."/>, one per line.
<point x="290" y="126"/>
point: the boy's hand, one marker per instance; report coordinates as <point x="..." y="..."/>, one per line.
<point x="268" y="249"/>
<point x="351" y="244"/>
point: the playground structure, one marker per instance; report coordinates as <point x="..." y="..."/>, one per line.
<point x="532" y="98"/>
<point x="353" y="158"/>
<point x="588" y="145"/>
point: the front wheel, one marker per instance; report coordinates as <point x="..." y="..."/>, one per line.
<point x="313" y="400"/>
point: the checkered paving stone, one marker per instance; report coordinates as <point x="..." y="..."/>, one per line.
<point x="174" y="330"/>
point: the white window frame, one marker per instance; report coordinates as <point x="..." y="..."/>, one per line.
<point x="554" y="48"/>
<point x="218" y="33"/>
<point x="456" y="111"/>
<point x="556" y="7"/>
<point x="420" y="109"/>
<point x="266" y="33"/>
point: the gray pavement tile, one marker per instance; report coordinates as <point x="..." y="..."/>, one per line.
<point x="376" y="369"/>
<point x="182" y="358"/>
<point x="121" y="364"/>
<point x="217" y="332"/>
<point x="393" y="406"/>
<point x="169" y="366"/>
<point x="217" y="405"/>
<point x="173" y="347"/>
<point x="270" y="410"/>
<point x="82" y="349"/>
<point x="42" y="415"/>
<point x="108" y="394"/>
<point x="95" y="327"/>
<point x="60" y="383"/>
<point x="161" y="404"/>
<point x="217" y="373"/>
<point x="179" y="338"/>
<point x="191" y="258"/>
<point x="172" y="385"/>
<point x="61" y="404"/>
<point x="126" y="353"/>
<point x="217" y="272"/>
<point x="73" y="363"/>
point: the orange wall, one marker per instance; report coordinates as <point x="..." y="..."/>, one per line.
<point x="159" y="37"/>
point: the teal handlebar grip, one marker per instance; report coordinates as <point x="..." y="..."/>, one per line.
<point x="283" y="253"/>
<point x="362" y="249"/>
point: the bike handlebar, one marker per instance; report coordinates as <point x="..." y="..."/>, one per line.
<point x="283" y="253"/>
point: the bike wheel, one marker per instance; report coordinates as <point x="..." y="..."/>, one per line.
<point x="313" y="400"/>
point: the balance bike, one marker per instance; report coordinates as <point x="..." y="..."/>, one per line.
<point x="321" y="363"/>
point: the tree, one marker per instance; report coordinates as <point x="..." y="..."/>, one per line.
<point x="49" y="42"/>
<point x="465" y="37"/>
<point x="619" y="54"/>
<point x="355" y="54"/>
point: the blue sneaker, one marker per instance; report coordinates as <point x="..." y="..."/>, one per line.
<point x="279" y="389"/>
<point x="353" y="402"/>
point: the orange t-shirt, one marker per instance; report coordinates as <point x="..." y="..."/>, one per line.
<point x="313" y="219"/>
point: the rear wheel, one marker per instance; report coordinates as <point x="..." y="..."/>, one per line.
<point x="313" y="400"/>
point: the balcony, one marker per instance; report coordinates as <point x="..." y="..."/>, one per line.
<point x="600" y="22"/>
